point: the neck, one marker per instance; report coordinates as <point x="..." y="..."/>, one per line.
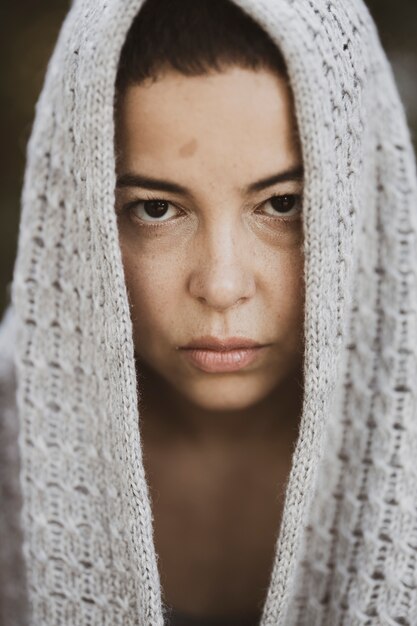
<point x="167" y="414"/>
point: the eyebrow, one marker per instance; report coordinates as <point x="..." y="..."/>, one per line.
<point x="131" y="179"/>
<point x="295" y="173"/>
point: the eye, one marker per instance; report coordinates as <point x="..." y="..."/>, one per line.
<point x="286" y="206"/>
<point x="152" y="210"/>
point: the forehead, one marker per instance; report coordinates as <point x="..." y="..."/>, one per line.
<point x="239" y="117"/>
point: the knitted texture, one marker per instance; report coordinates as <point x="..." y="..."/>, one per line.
<point x="346" y="548"/>
<point x="13" y="598"/>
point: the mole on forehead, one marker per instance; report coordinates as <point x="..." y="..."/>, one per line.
<point x="188" y="148"/>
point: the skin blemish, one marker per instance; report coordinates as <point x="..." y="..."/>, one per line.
<point x="189" y="148"/>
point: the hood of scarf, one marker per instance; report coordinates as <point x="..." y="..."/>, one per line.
<point x="346" y="549"/>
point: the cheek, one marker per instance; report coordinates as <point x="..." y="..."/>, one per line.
<point x="153" y="282"/>
<point x="287" y="294"/>
<point x="292" y="271"/>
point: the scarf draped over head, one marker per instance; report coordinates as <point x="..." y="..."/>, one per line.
<point x="346" y="550"/>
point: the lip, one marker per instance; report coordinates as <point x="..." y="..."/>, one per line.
<point x="214" y="343"/>
<point x="211" y="354"/>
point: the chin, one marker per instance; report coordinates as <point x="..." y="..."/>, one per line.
<point x="224" y="395"/>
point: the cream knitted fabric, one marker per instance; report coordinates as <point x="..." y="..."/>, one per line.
<point x="346" y="553"/>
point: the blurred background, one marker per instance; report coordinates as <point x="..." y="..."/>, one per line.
<point x="28" y="31"/>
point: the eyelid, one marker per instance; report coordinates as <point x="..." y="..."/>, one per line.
<point x="283" y="217"/>
<point x="129" y="205"/>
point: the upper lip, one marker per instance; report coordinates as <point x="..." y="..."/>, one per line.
<point x="214" y="343"/>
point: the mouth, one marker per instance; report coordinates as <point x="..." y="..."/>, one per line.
<point x="211" y="354"/>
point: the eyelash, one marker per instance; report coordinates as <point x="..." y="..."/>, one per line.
<point x="130" y="205"/>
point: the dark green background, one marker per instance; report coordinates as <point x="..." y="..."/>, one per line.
<point x="28" y="30"/>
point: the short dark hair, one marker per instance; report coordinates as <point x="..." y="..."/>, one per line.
<point x="193" y="37"/>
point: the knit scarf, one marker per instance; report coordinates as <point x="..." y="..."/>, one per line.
<point x="346" y="552"/>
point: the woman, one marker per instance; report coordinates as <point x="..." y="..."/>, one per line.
<point x="209" y="167"/>
<point x="212" y="324"/>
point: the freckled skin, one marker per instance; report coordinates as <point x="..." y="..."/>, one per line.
<point x="221" y="271"/>
<point x="222" y="443"/>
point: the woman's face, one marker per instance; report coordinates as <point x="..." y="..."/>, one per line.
<point x="207" y="249"/>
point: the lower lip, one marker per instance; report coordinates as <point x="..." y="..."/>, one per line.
<point x="222" y="361"/>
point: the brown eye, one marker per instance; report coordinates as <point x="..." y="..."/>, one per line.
<point x="151" y="210"/>
<point x="286" y="205"/>
<point x="155" y="208"/>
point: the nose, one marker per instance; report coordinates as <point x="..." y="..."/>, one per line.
<point x="221" y="271"/>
